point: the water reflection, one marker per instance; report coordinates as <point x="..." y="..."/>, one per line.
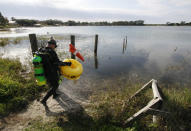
<point x="178" y="72"/>
<point x="153" y="52"/>
<point x="124" y="44"/>
<point x="96" y="61"/>
<point x="19" y="51"/>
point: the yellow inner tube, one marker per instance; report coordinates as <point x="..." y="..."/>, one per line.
<point x="72" y="72"/>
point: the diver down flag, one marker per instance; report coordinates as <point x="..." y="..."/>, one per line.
<point x="75" y="52"/>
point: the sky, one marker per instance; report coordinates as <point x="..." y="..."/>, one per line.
<point x="151" y="11"/>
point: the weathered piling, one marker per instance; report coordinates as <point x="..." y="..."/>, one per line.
<point x="73" y="43"/>
<point x="96" y="61"/>
<point x="33" y="41"/>
<point x="126" y="43"/>
<point x="123" y="46"/>
<point x="96" y="44"/>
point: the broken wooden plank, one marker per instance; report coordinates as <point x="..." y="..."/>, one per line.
<point x="144" y="111"/>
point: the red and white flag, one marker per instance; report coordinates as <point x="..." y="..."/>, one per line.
<point x="75" y="52"/>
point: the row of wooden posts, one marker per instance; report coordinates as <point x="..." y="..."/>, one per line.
<point x="34" y="44"/>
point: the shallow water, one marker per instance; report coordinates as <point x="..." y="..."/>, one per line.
<point x="162" y="53"/>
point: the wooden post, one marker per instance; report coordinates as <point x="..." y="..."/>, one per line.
<point x="33" y="41"/>
<point x="123" y="46"/>
<point x="96" y="44"/>
<point x="126" y="43"/>
<point x="96" y="61"/>
<point x="73" y="43"/>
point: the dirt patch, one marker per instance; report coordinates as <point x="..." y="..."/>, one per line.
<point x="55" y="107"/>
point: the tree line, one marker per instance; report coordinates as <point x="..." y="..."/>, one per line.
<point x="104" y="23"/>
<point x="182" y="23"/>
<point x="31" y="22"/>
<point x="28" y="22"/>
<point x="53" y="22"/>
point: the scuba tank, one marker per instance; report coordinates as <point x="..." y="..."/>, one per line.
<point x="38" y="70"/>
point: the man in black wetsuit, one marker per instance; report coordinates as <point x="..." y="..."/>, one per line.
<point x="51" y="64"/>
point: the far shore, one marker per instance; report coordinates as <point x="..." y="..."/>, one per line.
<point x="8" y="27"/>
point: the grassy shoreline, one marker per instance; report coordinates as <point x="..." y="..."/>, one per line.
<point x="18" y="88"/>
<point x="106" y="110"/>
<point x="5" y="41"/>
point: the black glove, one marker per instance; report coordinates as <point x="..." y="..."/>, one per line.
<point x="65" y="64"/>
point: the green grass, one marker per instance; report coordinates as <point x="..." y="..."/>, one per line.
<point x="17" y="87"/>
<point x="4" y="41"/>
<point x="107" y="112"/>
<point x="38" y="125"/>
<point x="108" y="108"/>
<point x="177" y="101"/>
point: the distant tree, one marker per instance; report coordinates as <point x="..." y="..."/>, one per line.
<point x="168" y="23"/>
<point x="85" y="23"/>
<point x="26" y="22"/>
<point x="13" y="18"/>
<point x="3" y="20"/>
<point x="71" y="23"/>
<point x="177" y="24"/>
<point x="52" y="22"/>
<point x="139" y="22"/>
<point x="182" y="22"/>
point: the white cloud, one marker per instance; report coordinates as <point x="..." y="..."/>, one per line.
<point x="52" y="3"/>
<point x="21" y="2"/>
<point x="146" y="7"/>
<point x="154" y="7"/>
<point x="180" y="3"/>
<point x="122" y="9"/>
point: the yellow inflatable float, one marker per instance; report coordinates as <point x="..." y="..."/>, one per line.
<point x="72" y="72"/>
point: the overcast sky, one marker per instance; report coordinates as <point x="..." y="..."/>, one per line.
<point x="152" y="11"/>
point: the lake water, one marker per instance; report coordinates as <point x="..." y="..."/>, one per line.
<point x="159" y="52"/>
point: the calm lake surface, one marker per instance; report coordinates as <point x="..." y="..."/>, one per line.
<point x="159" y="52"/>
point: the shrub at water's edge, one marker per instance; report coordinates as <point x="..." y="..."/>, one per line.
<point x="6" y="41"/>
<point x="17" y="87"/>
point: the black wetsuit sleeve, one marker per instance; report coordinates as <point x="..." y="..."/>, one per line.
<point x="56" y="60"/>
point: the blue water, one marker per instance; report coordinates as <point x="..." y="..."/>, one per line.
<point x="159" y="52"/>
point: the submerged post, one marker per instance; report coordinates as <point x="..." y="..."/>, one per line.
<point x="123" y="46"/>
<point x="73" y="43"/>
<point x="33" y="41"/>
<point x="96" y="61"/>
<point x="96" y="44"/>
<point x="126" y="43"/>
